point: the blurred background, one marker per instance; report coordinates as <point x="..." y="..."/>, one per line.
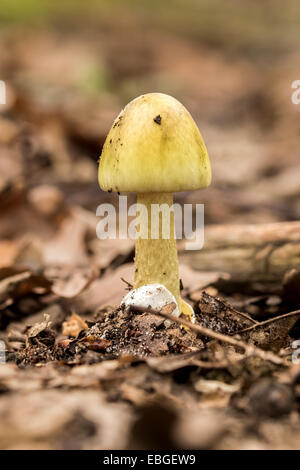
<point x="69" y="68"/>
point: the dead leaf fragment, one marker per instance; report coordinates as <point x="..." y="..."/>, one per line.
<point x="272" y="336"/>
<point x="41" y="334"/>
<point x="19" y="283"/>
<point x="39" y="327"/>
<point x="109" y="290"/>
<point x="218" y="315"/>
<point x="69" y="282"/>
<point x="74" y="325"/>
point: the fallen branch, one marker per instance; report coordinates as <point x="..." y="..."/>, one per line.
<point x="248" y="252"/>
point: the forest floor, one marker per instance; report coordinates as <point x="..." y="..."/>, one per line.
<point x="80" y="373"/>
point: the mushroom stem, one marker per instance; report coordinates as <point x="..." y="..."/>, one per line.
<point x="156" y="259"/>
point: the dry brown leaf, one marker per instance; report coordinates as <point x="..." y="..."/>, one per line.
<point x="74" y="325"/>
<point x="218" y="315"/>
<point x="18" y="284"/>
<point x="54" y="312"/>
<point x="193" y="280"/>
<point x="69" y="282"/>
<point x="36" y="329"/>
<point x="111" y="253"/>
<point x="273" y="336"/>
<point x="109" y="290"/>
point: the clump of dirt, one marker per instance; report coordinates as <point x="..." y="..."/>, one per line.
<point x="115" y="334"/>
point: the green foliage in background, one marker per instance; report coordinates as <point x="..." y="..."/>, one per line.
<point x="249" y="25"/>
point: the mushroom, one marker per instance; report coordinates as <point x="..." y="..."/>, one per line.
<point x="154" y="148"/>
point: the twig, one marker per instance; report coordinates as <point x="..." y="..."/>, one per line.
<point x="211" y="365"/>
<point x="244" y="315"/>
<point x="250" y="350"/>
<point x="129" y="286"/>
<point x="271" y="320"/>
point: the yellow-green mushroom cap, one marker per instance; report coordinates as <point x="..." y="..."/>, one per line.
<point x="154" y="145"/>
